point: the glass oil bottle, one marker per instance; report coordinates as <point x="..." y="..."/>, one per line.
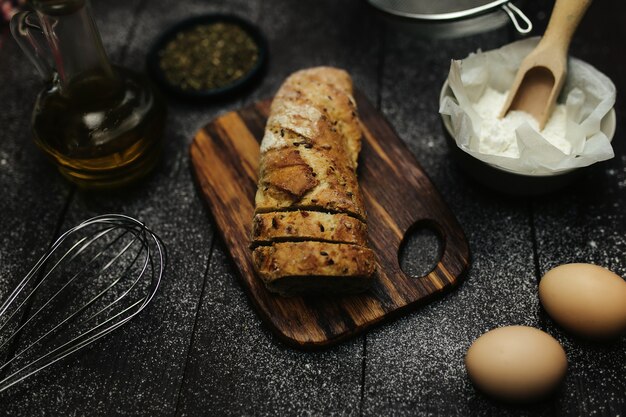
<point x="100" y="123"/>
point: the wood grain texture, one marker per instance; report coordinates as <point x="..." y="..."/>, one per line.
<point x="398" y="196"/>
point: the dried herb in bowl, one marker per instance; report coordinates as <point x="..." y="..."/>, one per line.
<point x="208" y="56"/>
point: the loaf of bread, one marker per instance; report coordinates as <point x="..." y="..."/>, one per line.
<point x="309" y="233"/>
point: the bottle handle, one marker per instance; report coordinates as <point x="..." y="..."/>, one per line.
<point x="24" y="27"/>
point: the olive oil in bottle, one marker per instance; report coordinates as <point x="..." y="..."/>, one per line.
<point x="101" y="124"/>
<point x="101" y="135"/>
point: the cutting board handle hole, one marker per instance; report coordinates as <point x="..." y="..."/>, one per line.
<point x="421" y="249"/>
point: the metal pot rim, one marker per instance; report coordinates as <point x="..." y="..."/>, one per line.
<point x="521" y="22"/>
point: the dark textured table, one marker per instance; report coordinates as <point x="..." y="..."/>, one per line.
<point x="200" y="349"/>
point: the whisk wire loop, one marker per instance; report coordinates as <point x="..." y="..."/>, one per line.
<point x="49" y="316"/>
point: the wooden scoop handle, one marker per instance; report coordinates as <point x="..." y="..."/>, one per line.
<point x="565" y="18"/>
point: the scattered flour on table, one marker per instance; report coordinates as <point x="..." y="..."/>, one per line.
<point x="497" y="136"/>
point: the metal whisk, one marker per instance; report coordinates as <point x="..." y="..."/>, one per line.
<point x="93" y="279"/>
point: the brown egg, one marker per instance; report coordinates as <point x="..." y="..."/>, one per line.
<point x="516" y="363"/>
<point x="586" y="299"/>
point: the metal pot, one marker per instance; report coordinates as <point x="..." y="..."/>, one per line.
<point x="453" y="18"/>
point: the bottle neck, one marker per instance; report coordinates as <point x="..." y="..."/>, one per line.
<point x="75" y="43"/>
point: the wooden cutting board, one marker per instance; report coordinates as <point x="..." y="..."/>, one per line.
<point x="398" y="196"/>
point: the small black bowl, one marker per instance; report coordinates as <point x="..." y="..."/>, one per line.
<point x="154" y="69"/>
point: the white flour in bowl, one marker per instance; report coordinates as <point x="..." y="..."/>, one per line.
<point x="574" y="137"/>
<point x="497" y="136"/>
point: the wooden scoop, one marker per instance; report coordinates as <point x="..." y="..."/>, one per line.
<point x="541" y="75"/>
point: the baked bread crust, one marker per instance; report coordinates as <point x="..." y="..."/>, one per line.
<point x="331" y="91"/>
<point x="306" y="150"/>
<point x="307" y="225"/>
<point x="311" y="267"/>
